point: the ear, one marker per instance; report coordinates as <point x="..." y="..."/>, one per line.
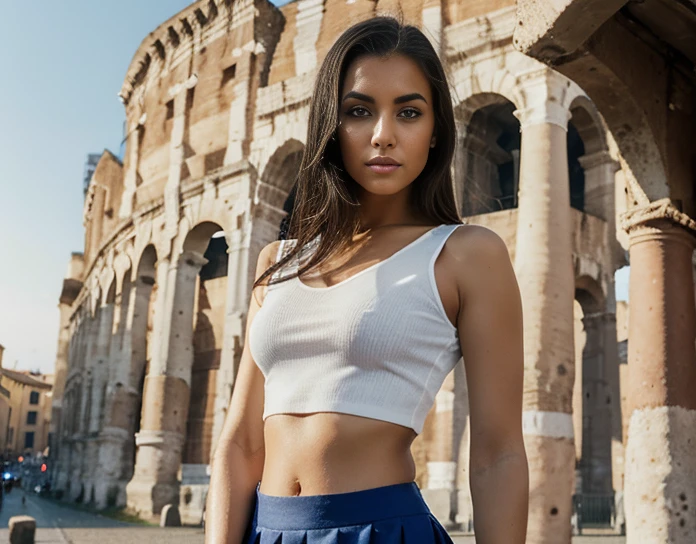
<point x="432" y="141"/>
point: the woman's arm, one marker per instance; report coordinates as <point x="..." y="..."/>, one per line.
<point x="490" y="332"/>
<point x="239" y="455"/>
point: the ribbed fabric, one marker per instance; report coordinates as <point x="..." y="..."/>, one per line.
<point x="377" y="345"/>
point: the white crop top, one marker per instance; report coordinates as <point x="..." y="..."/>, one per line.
<point x="377" y="345"/>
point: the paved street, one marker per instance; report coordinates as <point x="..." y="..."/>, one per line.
<point x="63" y="525"/>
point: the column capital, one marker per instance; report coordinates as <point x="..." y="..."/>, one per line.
<point x="658" y="219"/>
<point x="546" y="98"/>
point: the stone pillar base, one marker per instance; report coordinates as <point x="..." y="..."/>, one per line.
<point x="109" y="490"/>
<point x="109" y="493"/>
<point x="660" y="497"/>
<point x="465" y="511"/>
<point x="146" y="497"/>
<point x="192" y="503"/>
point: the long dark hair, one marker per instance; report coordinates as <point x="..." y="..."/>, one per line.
<point x="325" y="198"/>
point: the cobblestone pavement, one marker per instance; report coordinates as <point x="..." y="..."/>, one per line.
<point x="58" y="524"/>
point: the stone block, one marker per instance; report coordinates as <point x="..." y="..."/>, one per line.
<point x="22" y="529"/>
<point x="170" y="516"/>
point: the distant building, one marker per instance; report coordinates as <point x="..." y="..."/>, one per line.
<point x="90" y="167"/>
<point x="25" y="411"/>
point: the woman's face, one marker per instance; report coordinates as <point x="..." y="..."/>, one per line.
<point x="386" y="116"/>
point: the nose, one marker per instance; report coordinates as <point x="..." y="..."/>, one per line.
<point x="383" y="135"/>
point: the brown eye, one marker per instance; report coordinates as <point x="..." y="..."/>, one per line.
<point x="353" y="112"/>
<point x="411" y="113"/>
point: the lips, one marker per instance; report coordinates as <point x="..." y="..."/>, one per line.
<point x="382" y="165"/>
<point x="382" y="161"/>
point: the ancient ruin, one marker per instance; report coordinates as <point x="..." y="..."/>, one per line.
<point x="571" y="166"/>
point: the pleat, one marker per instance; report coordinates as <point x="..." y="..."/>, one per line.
<point x="269" y="536"/>
<point x="322" y="536"/>
<point x="416" y="530"/>
<point x="439" y="533"/>
<point x="420" y="529"/>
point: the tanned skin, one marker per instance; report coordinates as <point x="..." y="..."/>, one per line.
<point x="386" y="110"/>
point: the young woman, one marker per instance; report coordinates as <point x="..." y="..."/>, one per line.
<point x="356" y="320"/>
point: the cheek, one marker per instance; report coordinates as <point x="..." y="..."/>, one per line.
<point x="352" y="143"/>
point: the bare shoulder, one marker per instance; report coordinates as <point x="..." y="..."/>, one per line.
<point x="267" y="256"/>
<point x="478" y="246"/>
<point x="478" y="256"/>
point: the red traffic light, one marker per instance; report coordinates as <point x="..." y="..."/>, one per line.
<point x="43" y="467"/>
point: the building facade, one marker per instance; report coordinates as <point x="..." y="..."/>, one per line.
<point x="153" y="312"/>
<point x="25" y="412"/>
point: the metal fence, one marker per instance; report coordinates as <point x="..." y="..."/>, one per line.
<point x="593" y="511"/>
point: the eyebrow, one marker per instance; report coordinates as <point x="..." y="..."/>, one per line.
<point x="397" y="100"/>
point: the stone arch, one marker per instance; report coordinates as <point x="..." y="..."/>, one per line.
<point x="275" y="190"/>
<point x="590" y="166"/>
<point x="198" y="238"/>
<point x="487" y="157"/>
<point x="109" y="291"/>
<point x="275" y="173"/>
<point x="592" y="419"/>
<point x="484" y="80"/>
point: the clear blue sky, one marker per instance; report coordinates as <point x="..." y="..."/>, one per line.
<point x="62" y="68"/>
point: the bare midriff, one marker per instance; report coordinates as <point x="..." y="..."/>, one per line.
<point x="326" y="453"/>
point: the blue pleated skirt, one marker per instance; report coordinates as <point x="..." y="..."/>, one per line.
<point x="393" y="514"/>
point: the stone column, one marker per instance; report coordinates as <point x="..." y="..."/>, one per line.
<point x="100" y="373"/>
<point x="79" y="462"/>
<point x="179" y="151"/>
<point x="162" y="433"/>
<point x="596" y="413"/>
<point x="660" y="479"/>
<point x="442" y="468"/>
<point x="60" y="407"/>
<point x="613" y="402"/>
<point x="130" y="180"/>
<point x="235" y="321"/>
<point x="60" y="373"/>
<point x="121" y="406"/>
<point x="599" y="168"/>
<point x="545" y="274"/>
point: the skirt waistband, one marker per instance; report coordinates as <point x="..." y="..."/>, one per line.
<point x="339" y="509"/>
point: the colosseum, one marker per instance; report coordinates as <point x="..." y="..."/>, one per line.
<point x="576" y="133"/>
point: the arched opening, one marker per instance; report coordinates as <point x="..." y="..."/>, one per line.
<point x="276" y="189"/>
<point x="576" y="174"/>
<point x="491" y="158"/>
<point x="590" y="167"/>
<point x="208" y="327"/>
<point x="592" y="405"/>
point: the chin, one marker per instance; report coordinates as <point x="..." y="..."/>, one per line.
<point x="383" y="187"/>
